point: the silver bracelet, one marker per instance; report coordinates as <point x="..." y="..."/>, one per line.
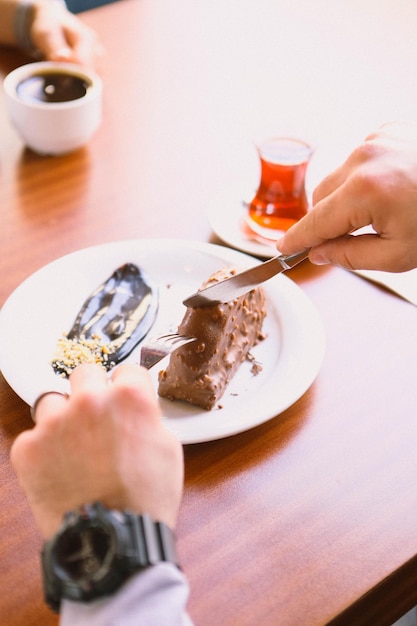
<point x="22" y="24"/>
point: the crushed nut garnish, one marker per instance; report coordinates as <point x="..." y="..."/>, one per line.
<point x="70" y="353"/>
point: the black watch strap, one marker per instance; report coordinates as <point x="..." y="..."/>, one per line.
<point x="155" y="541"/>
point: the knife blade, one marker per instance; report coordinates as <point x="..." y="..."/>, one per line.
<point x="235" y="286"/>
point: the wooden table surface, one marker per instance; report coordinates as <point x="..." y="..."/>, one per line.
<point x="310" y="518"/>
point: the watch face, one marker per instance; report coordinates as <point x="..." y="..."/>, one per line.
<point x="85" y="552"/>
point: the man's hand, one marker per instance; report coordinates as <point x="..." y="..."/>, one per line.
<point x="106" y="443"/>
<point x="60" y="35"/>
<point x="376" y="186"/>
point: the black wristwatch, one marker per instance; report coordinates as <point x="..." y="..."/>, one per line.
<point x="96" y="550"/>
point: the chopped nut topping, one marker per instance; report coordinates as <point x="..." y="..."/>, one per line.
<point x="70" y="353"/>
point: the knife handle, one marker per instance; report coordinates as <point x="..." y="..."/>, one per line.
<point x="291" y="260"/>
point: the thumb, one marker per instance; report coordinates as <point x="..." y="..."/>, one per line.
<point x="354" y="252"/>
<point x="63" y="54"/>
<point x="52" y="43"/>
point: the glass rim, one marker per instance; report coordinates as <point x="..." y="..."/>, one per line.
<point x="284" y="150"/>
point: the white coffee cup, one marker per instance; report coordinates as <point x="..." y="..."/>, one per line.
<point x="54" y="127"/>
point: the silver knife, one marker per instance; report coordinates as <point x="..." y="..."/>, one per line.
<point x="241" y="283"/>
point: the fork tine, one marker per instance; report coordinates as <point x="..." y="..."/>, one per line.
<point x="173" y="337"/>
<point x="158" y="348"/>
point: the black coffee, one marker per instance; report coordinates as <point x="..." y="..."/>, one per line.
<point x="52" y="87"/>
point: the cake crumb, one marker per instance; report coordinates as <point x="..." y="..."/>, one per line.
<point x="256" y="365"/>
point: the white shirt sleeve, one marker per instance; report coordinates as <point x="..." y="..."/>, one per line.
<point x="156" y="596"/>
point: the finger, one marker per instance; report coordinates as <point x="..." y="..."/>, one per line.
<point x="84" y="53"/>
<point x="368" y="251"/>
<point x="320" y="223"/>
<point x="48" y="403"/>
<point x="329" y="184"/>
<point x="133" y="388"/>
<point x="88" y="377"/>
<point x="85" y="46"/>
<point x="363" y="153"/>
<point x="132" y="375"/>
<point x="340" y="213"/>
<point x="63" y="54"/>
<point x="307" y="232"/>
<point x="50" y="40"/>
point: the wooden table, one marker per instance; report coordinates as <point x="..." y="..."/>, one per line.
<point x="309" y="519"/>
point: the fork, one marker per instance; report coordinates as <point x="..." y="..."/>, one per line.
<point x="154" y="350"/>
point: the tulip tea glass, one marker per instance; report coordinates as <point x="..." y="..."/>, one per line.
<point x="281" y="199"/>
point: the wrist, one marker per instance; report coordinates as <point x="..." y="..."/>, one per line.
<point x="96" y="550"/>
<point x="24" y="16"/>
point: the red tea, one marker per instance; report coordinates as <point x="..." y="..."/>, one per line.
<point x="281" y="199"/>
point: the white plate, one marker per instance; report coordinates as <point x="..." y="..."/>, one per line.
<point x="45" y="305"/>
<point x="227" y="213"/>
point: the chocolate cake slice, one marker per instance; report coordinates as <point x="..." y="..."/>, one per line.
<point x="200" y="371"/>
